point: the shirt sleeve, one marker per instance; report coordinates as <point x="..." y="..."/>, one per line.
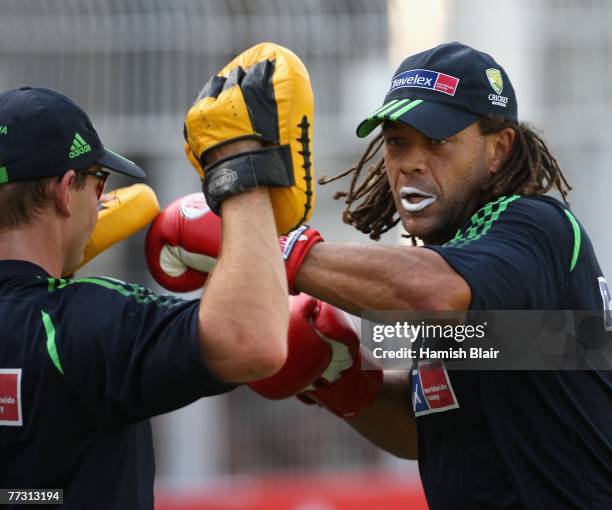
<point x="515" y="254"/>
<point x="128" y="353"/>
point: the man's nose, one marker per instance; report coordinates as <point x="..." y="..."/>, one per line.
<point x="413" y="160"/>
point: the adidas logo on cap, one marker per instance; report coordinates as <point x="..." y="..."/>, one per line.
<point x="78" y="147"/>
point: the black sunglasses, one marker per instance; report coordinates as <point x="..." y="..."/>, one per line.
<point x="102" y="176"/>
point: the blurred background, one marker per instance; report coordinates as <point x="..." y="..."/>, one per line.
<point x="136" y="65"/>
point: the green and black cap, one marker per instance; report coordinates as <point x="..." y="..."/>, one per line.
<point x="443" y="90"/>
<point x="44" y="134"/>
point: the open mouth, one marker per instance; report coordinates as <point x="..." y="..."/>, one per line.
<point x="414" y="200"/>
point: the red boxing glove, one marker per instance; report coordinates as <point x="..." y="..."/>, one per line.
<point x="183" y="243"/>
<point x="325" y="359"/>
<point x="307" y="354"/>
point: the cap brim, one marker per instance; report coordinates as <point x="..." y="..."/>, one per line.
<point x="433" y="119"/>
<point x="118" y="163"/>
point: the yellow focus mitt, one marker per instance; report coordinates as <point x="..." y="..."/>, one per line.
<point x="263" y="94"/>
<point x="126" y="211"/>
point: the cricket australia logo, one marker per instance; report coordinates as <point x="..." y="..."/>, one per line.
<point x="222" y="181"/>
<point x="79" y="146"/>
<point x="497" y="84"/>
<point x="495" y="79"/>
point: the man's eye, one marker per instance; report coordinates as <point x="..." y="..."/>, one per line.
<point x="393" y="141"/>
<point x="438" y="141"/>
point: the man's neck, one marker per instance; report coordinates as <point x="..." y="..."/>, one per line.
<point x="442" y="238"/>
<point x="39" y="243"/>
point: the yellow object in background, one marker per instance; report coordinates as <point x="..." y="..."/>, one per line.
<point x="125" y="212"/>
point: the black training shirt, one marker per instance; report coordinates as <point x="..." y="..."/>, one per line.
<point x="83" y="364"/>
<point x="519" y="440"/>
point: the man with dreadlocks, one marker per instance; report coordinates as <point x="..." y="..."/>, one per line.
<point x="461" y="173"/>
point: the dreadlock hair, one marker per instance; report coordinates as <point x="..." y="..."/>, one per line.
<point x="530" y="170"/>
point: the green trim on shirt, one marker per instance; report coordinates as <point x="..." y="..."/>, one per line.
<point x="51" y="346"/>
<point x="481" y="221"/>
<point x="140" y="294"/>
<point x="577" y="239"/>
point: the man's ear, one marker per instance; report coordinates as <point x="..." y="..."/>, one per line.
<point x="501" y="144"/>
<point x="62" y="195"/>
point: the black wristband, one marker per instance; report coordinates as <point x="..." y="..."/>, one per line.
<point x="270" y="167"/>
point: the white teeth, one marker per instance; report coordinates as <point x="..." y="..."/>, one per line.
<point x="427" y="200"/>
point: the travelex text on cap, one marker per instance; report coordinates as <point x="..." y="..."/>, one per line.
<point x="443" y="90"/>
<point x="45" y="134"/>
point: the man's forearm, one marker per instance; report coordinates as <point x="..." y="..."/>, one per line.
<point x="244" y="311"/>
<point x="388" y="422"/>
<point x="358" y="277"/>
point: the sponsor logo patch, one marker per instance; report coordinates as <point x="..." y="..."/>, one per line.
<point x="10" y="397"/>
<point x="425" y="79"/>
<point x="607" y="302"/>
<point x="432" y="391"/>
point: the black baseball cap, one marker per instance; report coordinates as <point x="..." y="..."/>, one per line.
<point x="44" y="134"/>
<point x="443" y="90"/>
